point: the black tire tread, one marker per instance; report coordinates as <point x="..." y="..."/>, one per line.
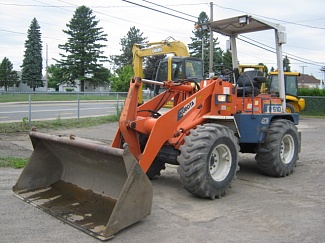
<point x="268" y="157"/>
<point x="193" y="158"/>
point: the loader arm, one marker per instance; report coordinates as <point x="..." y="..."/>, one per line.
<point x="168" y="128"/>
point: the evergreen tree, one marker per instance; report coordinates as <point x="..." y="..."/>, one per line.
<point x="266" y="70"/>
<point x="83" y="54"/>
<point x="134" y="36"/>
<point x="8" y="77"/>
<point x="202" y="35"/>
<point x="227" y="58"/>
<point x="286" y="64"/>
<point x="32" y="63"/>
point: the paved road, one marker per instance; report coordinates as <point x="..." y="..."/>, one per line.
<point x="256" y="209"/>
<point x="15" y="112"/>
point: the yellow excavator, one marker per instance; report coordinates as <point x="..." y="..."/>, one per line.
<point x="244" y="67"/>
<point x="260" y="70"/>
<point x="293" y="102"/>
<point x="176" y="67"/>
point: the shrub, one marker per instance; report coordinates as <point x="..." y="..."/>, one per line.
<point x="311" y="92"/>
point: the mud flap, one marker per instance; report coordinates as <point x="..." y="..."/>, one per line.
<point x="95" y="188"/>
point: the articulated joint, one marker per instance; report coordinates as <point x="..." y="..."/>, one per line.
<point x="136" y="81"/>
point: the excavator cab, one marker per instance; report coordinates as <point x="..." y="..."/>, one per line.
<point x="177" y="68"/>
<point x="293" y="102"/>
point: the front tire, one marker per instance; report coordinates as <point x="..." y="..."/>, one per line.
<point x="279" y="154"/>
<point x="208" y="160"/>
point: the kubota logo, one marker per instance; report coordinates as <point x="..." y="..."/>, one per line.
<point x="158" y="49"/>
<point x="185" y="109"/>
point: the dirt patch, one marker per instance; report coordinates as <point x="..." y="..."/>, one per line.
<point x="9" y="148"/>
<point x="19" y="145"/>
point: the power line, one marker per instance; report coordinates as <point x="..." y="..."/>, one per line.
<point x="21" y="33"/>
<point x="294" y="57"/>
<point x="30" y="5"/>
<point x="273" y="51"/>
<point x="107" y="15"/>
<point x="170" y="9"/>
<point x="301" y="58"/>
<point x="158" y="11"/>
<point x="139" y="5"/>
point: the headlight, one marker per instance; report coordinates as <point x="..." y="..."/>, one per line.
<point x="222" y="98"/>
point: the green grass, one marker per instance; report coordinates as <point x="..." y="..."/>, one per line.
<point x="16" y="163"/>
<point x="56" y="124"/>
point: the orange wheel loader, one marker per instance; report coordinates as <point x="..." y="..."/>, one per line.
<point x="103" y="189"/>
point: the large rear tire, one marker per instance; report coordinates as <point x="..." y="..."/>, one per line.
<point x="208" y="160"/>
<point x="279" y="154"/>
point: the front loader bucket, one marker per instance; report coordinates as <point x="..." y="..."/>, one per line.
<point x="95" y="188"/>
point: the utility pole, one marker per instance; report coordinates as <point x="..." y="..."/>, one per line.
<point x="46" y="70"/>
<point x="303" y="78"/>
<point x="321" y="81"/>
<point x="202" y="55"/>
<point x="211" y="43"/>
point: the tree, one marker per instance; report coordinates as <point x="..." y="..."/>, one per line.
<point x="83" y="54"/>
<point x="120" y="82"/>
<point x="103" y="74"/>
<point x="203" y="35"/>
<point x="33" y="64"/>
<point x="286" y="64"/>
<point x="8" y="77"/>
<point x="55" y="76"/>
<point x="134" y="36"/>
<point x="266" y="70"/>
<point x="227" y="58"/>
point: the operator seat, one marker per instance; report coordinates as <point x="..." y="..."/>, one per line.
<point x="249" y="83"/>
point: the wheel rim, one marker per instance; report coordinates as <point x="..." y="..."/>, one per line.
<point x="287" y="149"/>
<point x="288" y="110"/>
<point x="220" y="162"/>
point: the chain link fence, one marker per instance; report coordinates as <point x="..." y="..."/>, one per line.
<point x="315" y="106"/>
<point x="32" y="106"/>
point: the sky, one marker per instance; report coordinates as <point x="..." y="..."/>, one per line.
<point x="304" y="22"/>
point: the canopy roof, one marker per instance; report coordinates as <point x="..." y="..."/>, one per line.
<point x="232" y="26"/>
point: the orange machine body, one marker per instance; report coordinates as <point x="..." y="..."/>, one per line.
<point x="215" y="98"/>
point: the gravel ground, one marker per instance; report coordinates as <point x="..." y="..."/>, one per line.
<point x="257" y="208"/>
